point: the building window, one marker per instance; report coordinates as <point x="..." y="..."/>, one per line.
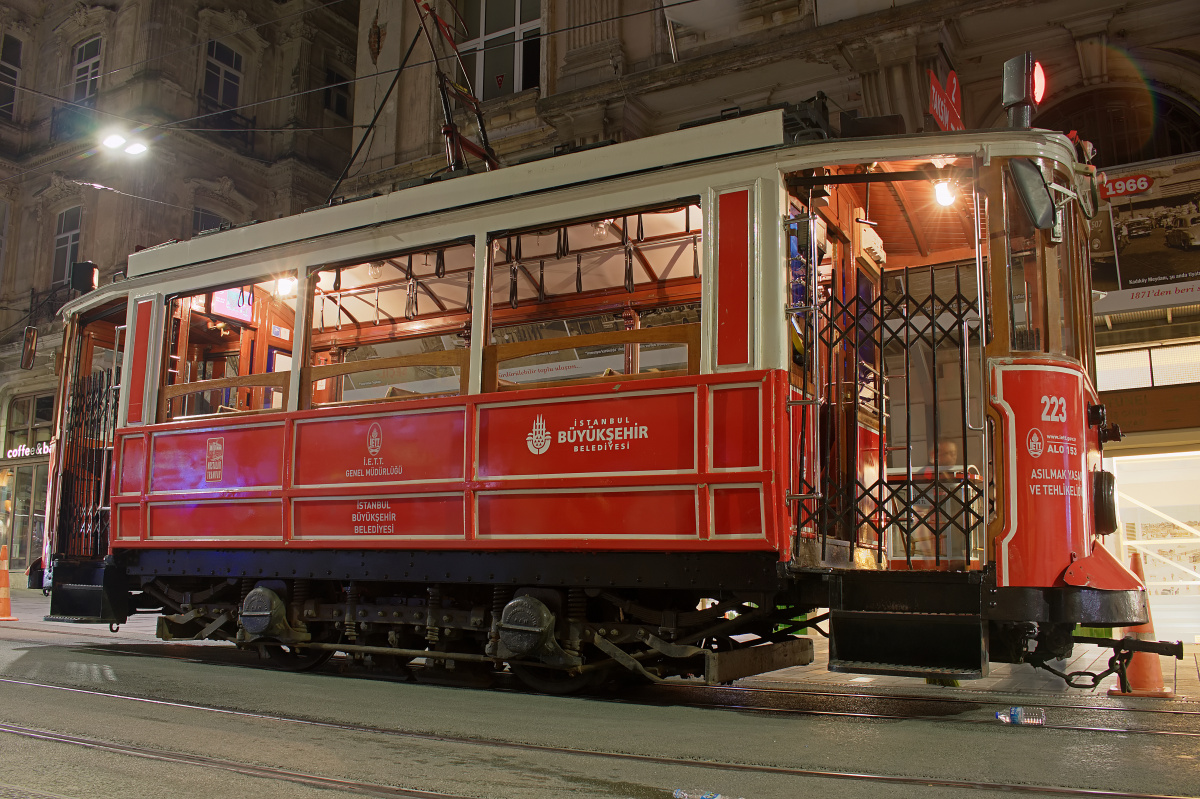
<point x="66" y="243"/>
<point x="29" y="426"/>
<point x="87" y="71"/>
<point x="222" y="75"/>
<point x="502" y="50"/>
<point x="10" y="75"/>
<point x="203" y="220"/>
<point x="337" y="94"/>
<point x="3" y="234"/>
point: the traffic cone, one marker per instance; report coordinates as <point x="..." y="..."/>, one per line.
<point x="5" y="599"/>
<point x="1144" y="670"/>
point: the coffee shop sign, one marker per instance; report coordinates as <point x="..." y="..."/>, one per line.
<point x="25" y="451"/>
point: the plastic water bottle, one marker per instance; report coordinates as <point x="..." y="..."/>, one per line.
<point x="1028" y="716"/>
<point x="682" y="794"/>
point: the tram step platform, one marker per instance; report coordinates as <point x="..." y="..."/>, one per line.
<point x="907" y="644"/>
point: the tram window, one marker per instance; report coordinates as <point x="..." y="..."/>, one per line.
<point x="223" y="349"/>
<point x="1025" y="291"/>
<point x="408" y="311"/>
<point x="1068" y="268"/>
<point x="628" y="270"/>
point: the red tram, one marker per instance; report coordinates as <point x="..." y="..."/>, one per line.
<point x="644" y="407"/>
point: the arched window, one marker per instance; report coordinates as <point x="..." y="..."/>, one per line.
<point x="1127" y="124"/>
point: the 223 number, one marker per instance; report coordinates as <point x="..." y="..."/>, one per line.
<point x="1054" y="409"/>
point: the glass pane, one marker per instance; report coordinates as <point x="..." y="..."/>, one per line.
<point x="500" y="15"/>
<point x="41" y="435"/>
<point x="1175" y="365"/>
<point x="44" y="409"/>
<point x="1119" y="370"/>
<point x="1026" y="303"/>
<point x="18" y="414"/>
<point x="38" y="527"/>
<point x="6" y="501"/>
<point x="22" y="496"/>
<point x="531" y="61"/>
<point x="212" y="81"/>
<point x="471" y="17"/>
<point x="16" y="438"/>
<point x="498" y="63"/>
<point x="530" y="10"/>
<point x="10" y="51"/>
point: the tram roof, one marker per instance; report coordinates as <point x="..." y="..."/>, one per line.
<point x="744" y="136"/>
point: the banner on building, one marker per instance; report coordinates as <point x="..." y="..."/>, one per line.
<point x="1145" y="240"/>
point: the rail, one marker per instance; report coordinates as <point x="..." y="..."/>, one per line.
<point x="274" y="380"/>
<point x="459" y="358"/>
<point x="496" y="354"/>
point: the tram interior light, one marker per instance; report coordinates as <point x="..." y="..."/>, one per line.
<point x="285" y="286"/>
<point x="113" y="141"/>
<point x="137" y="148"/>
<point x="943" y="191"/>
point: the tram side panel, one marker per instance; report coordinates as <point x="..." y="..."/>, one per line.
<point x="673" y="464"/>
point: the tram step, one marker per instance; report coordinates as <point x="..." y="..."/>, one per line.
<point x="81" y="604"/>
<point x="911" y="644"/>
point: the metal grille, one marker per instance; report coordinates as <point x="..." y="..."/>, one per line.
<point x="894" y="400"/>
<point x="90" y="420"/>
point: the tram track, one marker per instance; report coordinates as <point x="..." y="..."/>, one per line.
<point x="373" y="789"/>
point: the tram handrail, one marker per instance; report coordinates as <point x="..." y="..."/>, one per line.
<point x="496" y="354"/>
<point x="460" y="358"/>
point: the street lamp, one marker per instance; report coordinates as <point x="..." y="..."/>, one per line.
<point x="114" y="141"/>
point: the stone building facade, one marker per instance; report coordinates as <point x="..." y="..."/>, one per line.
<point x="199" y="83"/>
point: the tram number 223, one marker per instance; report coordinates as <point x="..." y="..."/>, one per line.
<point x="1054" y="409"/>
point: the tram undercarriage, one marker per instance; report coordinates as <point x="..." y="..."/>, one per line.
<point x="563" y="625"/>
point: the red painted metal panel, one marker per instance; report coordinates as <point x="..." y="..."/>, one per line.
<point x="736" y="427"/>
<point x="216" y="520"/>
<point x="229" y="457"/>
<point x="393" y="516"/>
<point x="402" y="447"/>
<point x="626" y="433"/>
<point x="129" y="521"/>
<point x="737" y="511"/>
<point x="582" y="514"/>
<point x="132" y="478"/>
<point x="141" y="350"/>
<point x="1047" y="521"/>
<point x="733" y="278"/>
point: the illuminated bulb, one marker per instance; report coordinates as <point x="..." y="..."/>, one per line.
<point x="375" y="269"/>
<point x="285" y="286"/>
<point x="944" y="192"/>
<point x="137" y="148"/>
<point x="113" y="140"/>
<point x="600" y="228"/>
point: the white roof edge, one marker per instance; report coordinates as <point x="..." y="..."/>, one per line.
<point x="733" y="136"/>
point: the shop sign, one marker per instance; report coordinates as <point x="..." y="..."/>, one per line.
<point x="945" y="105"/>
<point x="24" y="451"/>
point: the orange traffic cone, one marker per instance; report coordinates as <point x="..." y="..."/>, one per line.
<point x="5" y="599"/>
<point x="1144" y="670"/>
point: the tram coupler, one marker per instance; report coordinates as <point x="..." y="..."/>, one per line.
<point x="1123" y="651"/>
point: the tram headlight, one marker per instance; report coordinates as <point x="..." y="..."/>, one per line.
<point x="1104" y="501"/>
<point x="943" y="191"/>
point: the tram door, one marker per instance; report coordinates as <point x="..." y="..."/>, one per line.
<point x="84" y="457"/>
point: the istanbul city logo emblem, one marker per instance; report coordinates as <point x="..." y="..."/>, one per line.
<point x="538" y="439"/>
<point x="374" y="439"/>
<point x="1035" y="442"/>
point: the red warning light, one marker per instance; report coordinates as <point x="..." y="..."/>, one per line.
<point x="1039" y="82"/>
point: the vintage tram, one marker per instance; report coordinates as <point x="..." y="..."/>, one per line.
<point x="644" y="407"/>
